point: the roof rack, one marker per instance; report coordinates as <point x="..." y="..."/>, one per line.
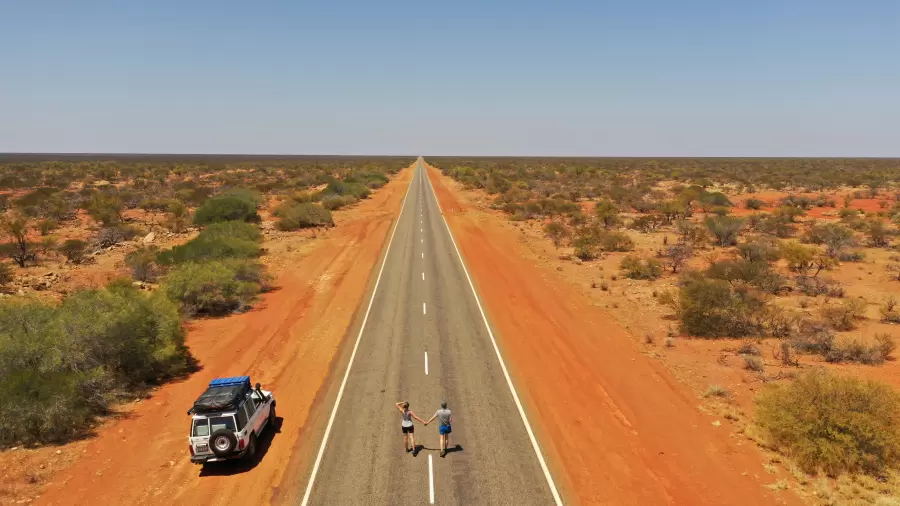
<point x="230" y="381"/>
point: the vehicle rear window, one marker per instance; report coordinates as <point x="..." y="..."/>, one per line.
<point x="201" y="428"/>
<point x="221" y="422"/>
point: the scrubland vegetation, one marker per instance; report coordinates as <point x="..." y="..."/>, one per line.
<point x="66" y="360"/>
<point x="749" y="249"/>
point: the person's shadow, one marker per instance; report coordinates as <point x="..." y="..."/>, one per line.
<point x="453" y="449"/>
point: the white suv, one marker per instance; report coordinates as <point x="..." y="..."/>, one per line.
<point x="228" y="418"/>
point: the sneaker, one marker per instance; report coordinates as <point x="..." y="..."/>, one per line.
<point x="415" y="452"/>
<point x="408" y="450"/>
<point x="443" y="453"/>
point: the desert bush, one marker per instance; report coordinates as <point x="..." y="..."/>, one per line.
<point x="587" y="246"/>
<point x="615" y="241"/>
<point x="757" y="274"/>
<point x="691" y="233"/>
<point x="725" y="229"/>
<point x="295" y="216"/>
<point x="854" y="350"/>
<point x="754" y="204"/>
<point x="115" y="234"/>
<point x="879" y="234"/>
<point x="74" y="250"/>
<point x="677" y="255"/>
<point x="142" y="263"/>
<point x="207" y="246"/>
<point x="607" y="213"/>
<point x="888" y="315"/>
<point x="813" y="337"/>
<point x="6" y="274"/>
<point x="556" y="232"/>
<point x="212" y="287"/>
<point x="754" y="363"/>
<point x="647" y="223"/>
<point x="335" y="202"/>
<point x="748" y="348"/>
<point x="834" y="236"/>
<point x="760" y="250"/>
<point x="105" y="209"/>
<point x="247" y="194"/>
<point x="637" y="268"/>
<point x="20" y="250"/>
<point x="832" y="424"/>
<point x="47" y="225"/>
<point x="226" y="208"/>
<point x="61" y="366"/>
<point x="179" y="217"/>
<point x="815" y="286"/>
<point x="844" y="316"/>
<point x="715" y="308"/>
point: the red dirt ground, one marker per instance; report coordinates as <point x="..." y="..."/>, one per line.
<point x="617" y="427"/>
<point x="287" y="343"/>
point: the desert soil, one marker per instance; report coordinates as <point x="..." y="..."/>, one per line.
<point x="287" y="343"/>
<point x="618" y="427"/>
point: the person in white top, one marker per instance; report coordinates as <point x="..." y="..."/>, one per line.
<point x="406" y="426"/>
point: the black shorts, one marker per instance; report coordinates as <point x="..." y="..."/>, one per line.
<point x="408" y="430"/>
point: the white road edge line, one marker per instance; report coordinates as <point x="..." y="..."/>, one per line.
<point x="426" y="363"/>
<point x="430" y="481"/>
<point x="512" y="389"/>
<point x="337" y="402"/>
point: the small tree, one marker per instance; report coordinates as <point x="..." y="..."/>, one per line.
<point x="106" y="209"/>
<point x="73" y="250"/>
<point x="725" y="229"/>
<point x="799" y="258"/>
<point x="677" y="255"/>
<point x="180" y="216"/>
<point x="20" y="250"/>
<point x="556" y="232"/>
<point x="878" y="234"/>
<point x="607" y="213"/>
<point x="834" y="236"/>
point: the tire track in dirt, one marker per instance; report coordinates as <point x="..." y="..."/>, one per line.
<point x="618" y="429"/>
<point x="287" y="343"/>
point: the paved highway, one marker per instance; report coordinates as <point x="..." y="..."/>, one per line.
<point x="424" y="339"/>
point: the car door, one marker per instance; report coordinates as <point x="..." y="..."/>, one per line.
<point x="262" y="411"/>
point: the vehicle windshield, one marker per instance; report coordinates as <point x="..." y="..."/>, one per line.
<point x="222" y="422"/>
<point x="201" y="427"/>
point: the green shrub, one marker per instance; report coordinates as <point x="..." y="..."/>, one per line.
<point x="715" y="308"/>
<point x="206" y="247"/>
<point x="637" y="268"/>
<point x="615" y="241"/>
<point x="305" y="215"/>
<point x="7" y="274"/>
<point x="335" y="202"/>
<point x="725" y="229"/>
<point x="844" y="316"/>
<point x="754" y="204"/>
<point x="212" y="288"/>
<point x="73" y="250"/>
<point x="833" y="424"/>
<point x="142" y="263"/>
<point x="61" y="366"/>
<point x="47" y="225"/>
<point x="252" y="196"/>
<point x="226" y="208"/>
<point x="232" y="230"/>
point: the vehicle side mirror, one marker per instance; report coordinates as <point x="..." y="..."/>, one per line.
<point x="257" y="386"/>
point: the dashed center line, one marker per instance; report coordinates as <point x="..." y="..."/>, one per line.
<point x="430" y="481"/>
<point x="423" y="276"/>
<point x="423" y="309"/>
<point x="426" y="363"/>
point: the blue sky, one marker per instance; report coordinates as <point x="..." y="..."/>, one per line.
<point x="638" y="78"/>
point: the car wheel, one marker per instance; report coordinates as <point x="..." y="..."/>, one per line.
<point x="251" y="449"/>
<point x="222" y="442"/>
<point x="272" y="417"/>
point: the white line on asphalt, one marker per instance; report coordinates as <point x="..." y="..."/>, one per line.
<point x="430" y="481"/>
<point x="422" y="241"/>
<point x="423" y="255"/>
<point x="426" y="363"/>
<point x="337" y="402"/>
<point x="423" y="309"/>
<point x="423" y="276"/>
<point x="512" y="389"/>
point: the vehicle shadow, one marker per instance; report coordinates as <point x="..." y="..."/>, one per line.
<point x="232" y="467"/>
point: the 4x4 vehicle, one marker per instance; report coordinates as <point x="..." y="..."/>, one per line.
<point x="227" y="419"/>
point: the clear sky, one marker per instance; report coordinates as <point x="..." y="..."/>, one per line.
<point x="618" y="78"/>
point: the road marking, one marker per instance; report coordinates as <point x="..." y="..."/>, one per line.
<point x="422" y="241"/>
<point x="337" y="403"/>
<point x="426" y="363"/>
<point x="423" y="309"/>
<point x="423" y="255"/>
<point x="512" y="389"/>
<point x="430" y="481"/>
<point x="423" y="276"/>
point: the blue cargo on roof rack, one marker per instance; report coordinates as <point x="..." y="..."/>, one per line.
<point x="230" y="382"/>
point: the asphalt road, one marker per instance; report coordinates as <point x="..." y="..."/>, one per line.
<point x="423" y="304"/>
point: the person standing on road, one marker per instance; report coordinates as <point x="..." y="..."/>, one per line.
<point x="407" y="427"/>
<point x="444" y="418"/>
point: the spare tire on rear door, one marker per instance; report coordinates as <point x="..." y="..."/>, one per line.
<point x="222" y="442"/>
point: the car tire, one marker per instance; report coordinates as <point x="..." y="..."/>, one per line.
<point x="272" y="417"/>
<point x="250" y="454"/>
<point x="222" y="442"/>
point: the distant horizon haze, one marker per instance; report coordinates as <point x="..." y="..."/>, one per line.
<point x="650" y="79"/>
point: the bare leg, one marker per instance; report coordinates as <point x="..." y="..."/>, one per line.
<point x="406" y="441"/>
<point x="412" y="438"/>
